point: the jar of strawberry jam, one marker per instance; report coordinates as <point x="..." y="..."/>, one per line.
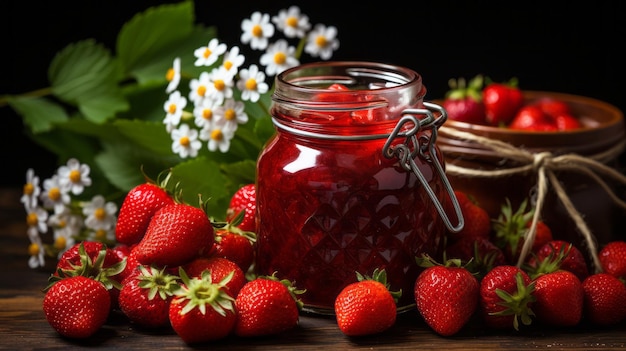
<point x="352" y="180"/>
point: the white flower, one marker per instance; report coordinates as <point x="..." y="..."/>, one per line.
<point x="31" y="190"/>
<point x="74" y="176"/>
<point x="36" y="252"/>
<point x="208" y="55"/>
<point x="279" y="57"/>
<point x="233" y="60"/>
<point x="292" y="23"/>
<point x="198" y="88"/>
<point x="218" y="138"/>
<point x="204" y="112"/>
<point x="221" y="86"/>
<point x="322" y="41"/>
<point x="173" y="76"/>
<point x="256" y="30"/>
<point x="185" y="141"/>
<point x="100" y="214"/>
<point x="53" y="195"/>
<point x="37" y="218"/>
<point x="251" y="83"/>
<point x="229" y="115"/>
<point x="174" y="110"/>
<point x="106" y="236"/>
<point x="65" y="226"/>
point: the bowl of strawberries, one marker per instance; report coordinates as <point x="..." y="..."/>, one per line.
<point x="499" y="142"/>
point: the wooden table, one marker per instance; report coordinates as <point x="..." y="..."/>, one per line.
<point x="23" y="325"/>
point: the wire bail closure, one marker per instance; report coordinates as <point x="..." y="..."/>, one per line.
<point x="424" y="147"/>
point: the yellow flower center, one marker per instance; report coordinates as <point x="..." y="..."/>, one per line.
<point x="62" y="223"/>
<point x="100" y="213"/>
<point x="257" y="31"/>
<point x="230" y="114"/>
<point x="60" y="243"/>
<point x="201" y="90"/>
<point x="172" y="108"/>
<point x="219" y="84"/>
<point x="217" y="134"/>
<point x="207" y="52"/>
<point x="320" y="41"/>
<point x="184" y="141"/>
<point x="54" y="194"/>
<point x="170" y="74"/>
<point x="280" y="58"/>
<point x="101" y="235"/>
<point x="207" y="114"/>
<point x="228" y="65"/>
<point x="251" y="84"/>
<point x="75" y="176"/>
<point x="33" y="249"/>
<point x="32" y="219"/>
<point x="292" y="21"/>
<point x="29" y="189"/>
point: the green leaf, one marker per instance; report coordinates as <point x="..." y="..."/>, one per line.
<point x="100" y="107"/>
<point x="149" y="135"/>
<point x="39" y="114"/>
<point x="142" y="38"/>
<point x="240" y="173"/>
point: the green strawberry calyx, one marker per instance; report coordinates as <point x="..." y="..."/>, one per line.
<point x="202" y="292"/>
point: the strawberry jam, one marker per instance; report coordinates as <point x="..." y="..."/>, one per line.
<point x="330" y="200"/>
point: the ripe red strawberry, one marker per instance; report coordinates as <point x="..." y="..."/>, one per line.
<point x="446" y="296"/>
<point x="559" y="254"/>
<point x="244" y="199"/>
<point x="463" y="102"/>
<point x="477" y="220"/>
<point x="219" y="269"/>
<point x="506" y="297"/>
<point x="145" y="297"/>
<point x="77" y="307"/>
<point x="266" y="306"/>
<point x="478" y="254"/>
<point x="366" y="306"/>
<point x="502" y="101"/>
<point x="137" y="209"/>
<point x="532" y="118"/>
<point x="177" y="234"/>
<point x="201" y="310"/>
<point x="613" y="258"/>
<point x="235" y="245"/>
<point x="604" y="296"/>
<point x="553" y="107"/>
<point x="558" y="299"/>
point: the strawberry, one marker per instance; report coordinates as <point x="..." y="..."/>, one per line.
<point x="244" y="200"/>
<point x="219" y="269"/>
<point x="506" y="297"/>
<point x="446" y="295"/>
<point x="138" y="207"/>
<point x="604" y="296"/>
<point x="532" y="118"/>
<point x="201" y="310"/>
<point x="502" y="101"/>
<point x="566" y="122"/>
<point x="558" y="299"/>
<point x="267" y="306"/>
<point x="478" y="254"/>
<point x="558" y="254"/>
<point x="366" y="306"/>
<point x="177" y="234"/>
<point x="477" y="220"/>
<point x="552" y="106"/>
<point x="77" y="307"/>
<point x="145" y="297"/>
<point x="235" y="245"/>
<point x="464" y="103"/>
<point x="612" y="258"/>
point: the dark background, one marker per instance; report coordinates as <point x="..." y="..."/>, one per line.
<point x="547" y="45"/>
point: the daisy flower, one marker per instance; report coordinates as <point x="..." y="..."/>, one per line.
<point x="102" y="235"/>
<point x="233" y="60"/>
<point x="65" y="226"/>
<point x="174" y="110"/>
<point x="36" y="252"/>
<point x="279" y="57"/>
<point x="31" y="190"/>
<point x="230" y="115"/>
<point x="208" y="55"/>
<point x="74" y="176"/>
<point x="322" y="41"/>
<point x="185" y="141"/>
<point x="203" y="113"/>
<point x="256" y="30"/>
<point x="54" y="196"/>
<point x="100" y="214"/>
<point x="37" y="218"/>
<point x="221" y="86"/>
<point x="198" y="88"/>
<point x="173" y="76"/>
<point x="218" y="138"/>
<point x="292" y="22"/>
<point x="251" y="83"/>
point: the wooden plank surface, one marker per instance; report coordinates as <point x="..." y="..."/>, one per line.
<point x="23" y="325"/>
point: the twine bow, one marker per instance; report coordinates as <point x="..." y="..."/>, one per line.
<point x="545" y="164"/>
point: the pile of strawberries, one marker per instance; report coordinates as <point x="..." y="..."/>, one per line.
<point x="175" y="267"/>
<point x="484" y="102"/>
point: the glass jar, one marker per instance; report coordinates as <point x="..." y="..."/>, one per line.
<point x="352" y="180"/>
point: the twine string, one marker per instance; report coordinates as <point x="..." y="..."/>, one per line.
<point x="545" y="164"/>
